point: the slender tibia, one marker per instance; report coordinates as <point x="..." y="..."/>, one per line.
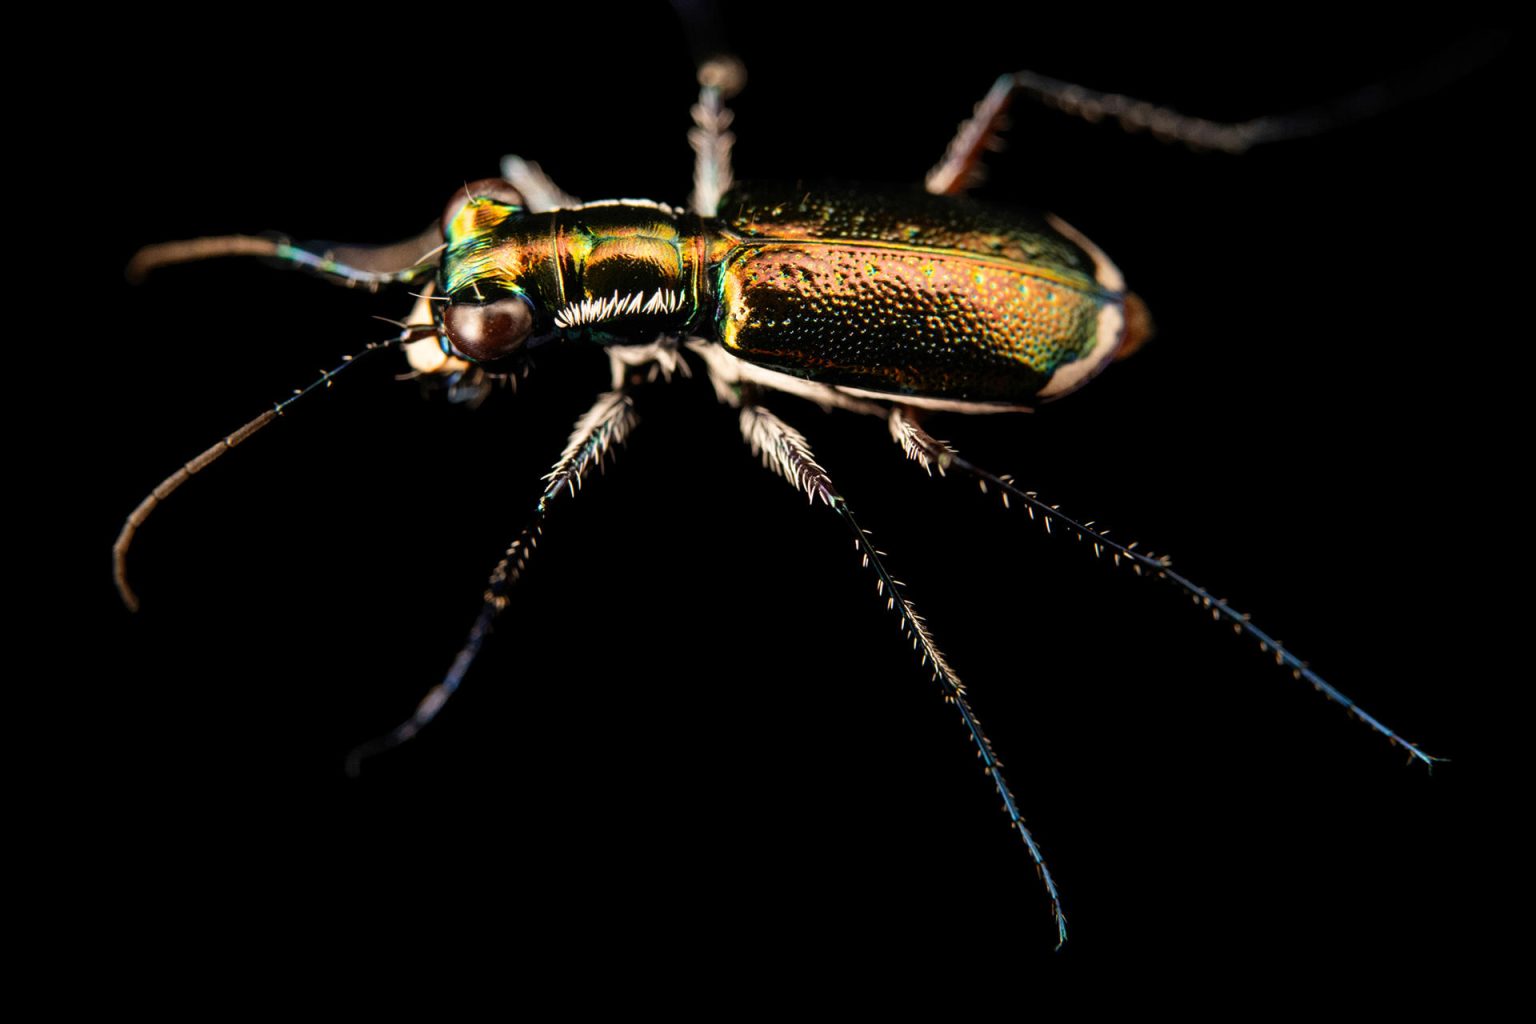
<point x="163" y="490"/>
<point x="603" y="427"/>
<point x="961" y="168"/>
<point x="786" y="451"/>
<point x="927" y="451"/>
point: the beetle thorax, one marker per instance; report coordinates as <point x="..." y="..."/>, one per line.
<point x="628" y="270"/>
<point x="616" y="271"/>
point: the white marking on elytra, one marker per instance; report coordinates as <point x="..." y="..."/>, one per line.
<point x="1111" y="326"/>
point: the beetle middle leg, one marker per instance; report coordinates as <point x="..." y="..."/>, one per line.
<point x="786" y="451"/>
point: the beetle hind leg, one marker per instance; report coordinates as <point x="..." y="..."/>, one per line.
<point x="932" y="453"/>
<point x="960" y="168"/>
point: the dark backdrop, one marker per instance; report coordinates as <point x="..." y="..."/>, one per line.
<point x="697" y="744"/>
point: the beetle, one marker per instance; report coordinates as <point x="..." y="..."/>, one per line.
<point x="900" y="551"/>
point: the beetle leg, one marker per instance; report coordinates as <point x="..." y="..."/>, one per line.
<point x="961" y="168"/>
<point x="929" y="452"/>
<point x="731" y="375"/>
<point x="720" y="78"/>
<point x="785" y="451"/>
<point x="599" y="431"/>
<point x="661" y="358"/>
<point x="541" y="193"/>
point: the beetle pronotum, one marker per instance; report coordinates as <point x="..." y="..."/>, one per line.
<point x="631" y="530"/>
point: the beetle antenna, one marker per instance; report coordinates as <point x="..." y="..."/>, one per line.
<point x="163" y="490"/>
<point x="367" y="266"/>
<point x="785" y="451"/>
<point x="191" y="250"/>
<point x="931" y="453"/>
<point x="597" y="433"/>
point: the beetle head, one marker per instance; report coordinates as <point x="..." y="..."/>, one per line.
<point x="487" y="276"/>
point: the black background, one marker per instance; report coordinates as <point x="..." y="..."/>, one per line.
<point x="697" y="745"/>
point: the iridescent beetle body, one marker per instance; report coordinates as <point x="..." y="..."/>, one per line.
<point x="939" y="300"/>
<point x="878" y="302"/>
<point x="916" y="295"/>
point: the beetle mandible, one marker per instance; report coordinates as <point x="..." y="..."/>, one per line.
<point x="899" y="554"/>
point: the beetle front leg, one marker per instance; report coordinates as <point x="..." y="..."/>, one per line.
<point x="600" y="431"/>
<point x="539" y="191"/>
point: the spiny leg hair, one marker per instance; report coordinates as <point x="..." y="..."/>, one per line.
<point x="932" y="454"/>
<point x="719" y="79"/>
<point x="786" y="451"/>
<point x="600" y="430"/>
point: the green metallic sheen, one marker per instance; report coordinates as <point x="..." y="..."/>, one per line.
<point x="636" y="258"/>
<point x="905" y="294"/>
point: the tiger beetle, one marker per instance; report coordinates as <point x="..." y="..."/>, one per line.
<point x="898" y="305"/>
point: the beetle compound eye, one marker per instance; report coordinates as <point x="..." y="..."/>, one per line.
<point x="494" y="189"/>
<point x="1138" y="326"/>
<point x="491" y="330"/>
